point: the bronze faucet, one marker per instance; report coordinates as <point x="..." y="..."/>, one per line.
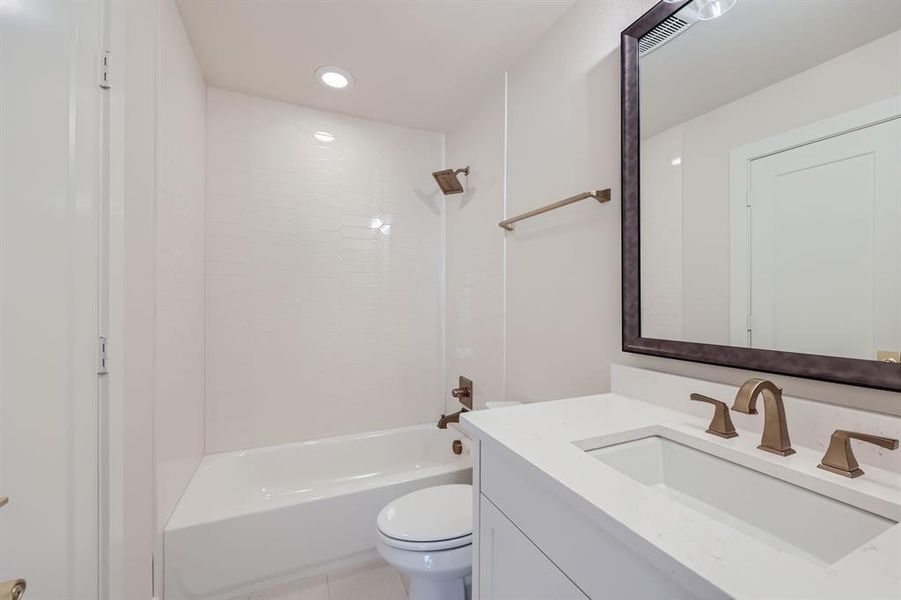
<point x="839" y="458"/>
<point x="452" y="418"/>
<point x="775" y="430"/>
<point x="463" y="393"/>
<point x="721" y="424"/>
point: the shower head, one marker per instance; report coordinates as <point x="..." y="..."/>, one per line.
<point x="448" y="180"/>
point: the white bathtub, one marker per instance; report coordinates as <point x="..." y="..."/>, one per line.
<point x="261" y="517"/>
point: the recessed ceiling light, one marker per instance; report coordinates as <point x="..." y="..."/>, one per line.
<point x="324" y="136"/>
<point x="334" y="77"/>
<point x="676" y="161"/>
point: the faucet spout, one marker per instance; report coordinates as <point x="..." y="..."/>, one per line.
<point x="451" y="418"/>
<point x="775" y="428"/>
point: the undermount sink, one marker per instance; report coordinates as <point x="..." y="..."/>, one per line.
<point x="778" y="513"/>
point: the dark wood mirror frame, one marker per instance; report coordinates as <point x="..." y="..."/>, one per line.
<point x="852" y="371"/>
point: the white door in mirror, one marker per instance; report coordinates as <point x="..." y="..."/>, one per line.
<point x="825" y="220"/>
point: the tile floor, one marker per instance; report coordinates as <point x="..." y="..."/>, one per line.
<point x="374" y="580"/>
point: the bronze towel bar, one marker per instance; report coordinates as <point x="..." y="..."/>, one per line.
<point x="599" y="195"/>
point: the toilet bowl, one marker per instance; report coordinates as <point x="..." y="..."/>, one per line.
<point x="427" y="535"/>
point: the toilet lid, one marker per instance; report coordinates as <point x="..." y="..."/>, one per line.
<point x="431" y="514"/>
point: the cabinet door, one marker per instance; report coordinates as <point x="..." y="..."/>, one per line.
<point x="511" y="567"/>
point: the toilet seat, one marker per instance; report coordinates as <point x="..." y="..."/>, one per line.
<point x="435" y="518"/>
<point x="450" y="544"/>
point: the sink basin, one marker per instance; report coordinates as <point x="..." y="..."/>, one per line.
<point x="778" y="513"/>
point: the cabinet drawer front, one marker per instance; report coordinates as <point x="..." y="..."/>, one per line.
<point x="601" y="565"/>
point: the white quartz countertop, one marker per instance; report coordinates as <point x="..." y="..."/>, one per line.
<point x="732" y="561"/>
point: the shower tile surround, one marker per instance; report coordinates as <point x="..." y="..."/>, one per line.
<point x="324" y="274"/>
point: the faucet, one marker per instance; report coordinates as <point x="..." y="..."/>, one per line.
<point x="775" y="430"/>
<point x="721" y="425"/>
<point x="451" y="418"/>
<point x="839" y="458"/>
<point x="463" y="393"/>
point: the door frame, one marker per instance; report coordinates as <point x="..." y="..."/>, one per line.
<point x="740" y="160"/>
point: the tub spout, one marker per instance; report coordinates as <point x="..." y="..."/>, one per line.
<point x="452" y="418"/>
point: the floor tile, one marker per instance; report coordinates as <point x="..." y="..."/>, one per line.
<point x="370" y="581"/>
<point x="314" y="588"/>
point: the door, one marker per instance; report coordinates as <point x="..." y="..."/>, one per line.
<point x="50" y="107"/>
<point x="825" y="261"/>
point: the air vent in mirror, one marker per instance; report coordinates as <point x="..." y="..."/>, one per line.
<point x="668" y="30"/>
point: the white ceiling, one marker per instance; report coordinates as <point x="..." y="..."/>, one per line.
<point x="754" y="45"/>
<point x="418" y="63"/>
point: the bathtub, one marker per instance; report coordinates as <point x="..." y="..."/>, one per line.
<point x="261" y="517"/>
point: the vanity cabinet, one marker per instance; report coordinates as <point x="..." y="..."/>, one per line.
<point x="632" y="500"/>
<point x="511" y="567"/>
<point x="532" y="544"/>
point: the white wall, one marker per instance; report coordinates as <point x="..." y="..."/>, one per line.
<point x="475" y="261"/>
<point x="560" y="300"/>
<point x="324" y="270"/>
<point x="128" y="458"/>
<point x="179" y="358"/>
<point x="154" y="417"/>
<point x="563" y="290"/>
<point x="563" y="269"/>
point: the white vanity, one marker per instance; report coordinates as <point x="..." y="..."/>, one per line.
<point x="624" y="495"/>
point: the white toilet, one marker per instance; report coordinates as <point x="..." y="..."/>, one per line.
<point x="427" y="535"/>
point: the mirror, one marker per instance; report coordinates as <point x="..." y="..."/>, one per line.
<point x="762" y="169"/>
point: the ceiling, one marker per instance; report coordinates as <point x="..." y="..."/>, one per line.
<point x="754" y="45"/>
<point x="417" y="63"/>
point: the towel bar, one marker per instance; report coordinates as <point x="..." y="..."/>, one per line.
<point x="599" y="195"/>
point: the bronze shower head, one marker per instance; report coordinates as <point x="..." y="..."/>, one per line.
<point x="448" y="180"/>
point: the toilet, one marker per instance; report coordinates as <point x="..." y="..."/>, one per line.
<point x="427" y="535"/>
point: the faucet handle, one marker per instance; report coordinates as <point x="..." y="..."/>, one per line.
<point x="839" y="457"/>
<point x="721" y="425"/>
<point x="464" y="392"/>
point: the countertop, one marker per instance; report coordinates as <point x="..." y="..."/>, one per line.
<point x="734" y="562"/>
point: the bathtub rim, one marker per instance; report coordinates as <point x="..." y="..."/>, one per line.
<point x="178" y="521"/>
<point x="344" y="437"/>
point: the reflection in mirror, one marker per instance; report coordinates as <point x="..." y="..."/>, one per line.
<point x="771" y="176"/>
